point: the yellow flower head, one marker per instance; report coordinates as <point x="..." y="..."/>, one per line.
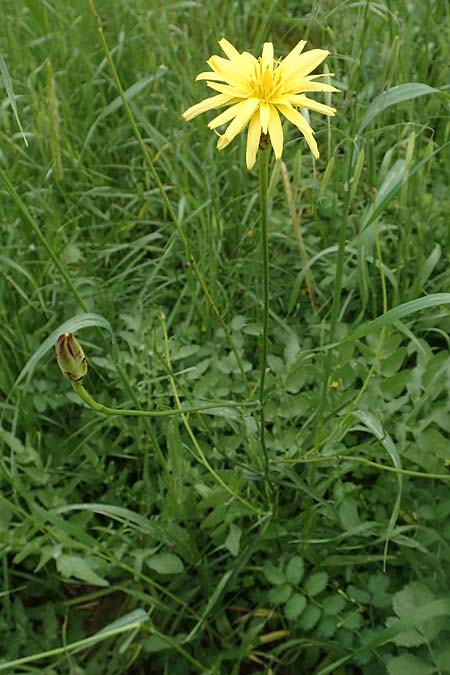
<point x="257" y="90"/>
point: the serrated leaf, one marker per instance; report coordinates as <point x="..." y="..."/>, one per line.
<point x="310" y="617"/>
<point x="165" y="563"/>
<point x="279" y="594"/>
<point x="73" y="566"/>
<point x="273" y="574"/>
<point x="295" y="606"/>
<point x="316" y="583"/>
<point x="295" y="570"/>
<point x="333" y="605"/>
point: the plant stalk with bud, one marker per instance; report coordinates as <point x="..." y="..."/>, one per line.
<point x="73" y="365"/>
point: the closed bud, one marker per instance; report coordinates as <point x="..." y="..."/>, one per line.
<point x="71" y="358"/>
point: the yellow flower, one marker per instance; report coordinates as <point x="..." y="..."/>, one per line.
<point x="257" y="90"/>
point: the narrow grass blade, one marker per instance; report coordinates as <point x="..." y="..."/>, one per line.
<point x="10" y="93"/>
<point x="396" y="313"/>
<point x="393" y="96"/>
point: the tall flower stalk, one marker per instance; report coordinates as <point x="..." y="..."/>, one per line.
<point x="258" y="94"/>
<point x="263" y="198"/>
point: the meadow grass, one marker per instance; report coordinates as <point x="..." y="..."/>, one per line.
<point x="139" y="545"/>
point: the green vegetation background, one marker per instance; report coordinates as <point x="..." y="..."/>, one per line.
<point x="120" y="523"/>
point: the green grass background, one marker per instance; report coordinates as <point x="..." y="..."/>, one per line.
<point x="158" y="532"/>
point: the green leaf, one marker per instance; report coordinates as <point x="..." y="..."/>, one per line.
<point x="310" y="617"/>
<point x="295" y="606"/>
<point x="431" y="610"/>
<point x="279" y="594"/>
<point x="348" y="513"/>
<point x="394" y="96"/>
<point x="295" y="570"/>
<point x="333" y="605"/>
<point x="316" y="583"/>
<point x="405" y="603"/>
<point x="232" y="542"/>
<point x="392" y="315"/>
<point x="273" y="574"/>
<point x="408" y="663"/>
<point x="73" y="566"/>
<point x="165" y="563"/>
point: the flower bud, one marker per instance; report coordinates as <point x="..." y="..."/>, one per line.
<point x="71" y="358"/>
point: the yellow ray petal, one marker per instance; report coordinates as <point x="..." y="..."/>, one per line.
<point x="267" y="56"/>
<point x="210" y="75"/>
<point x="276" y="132"/>
<point x="207" y="104"/>
<point x="236" y="74"/>
<point x="302" y="65"/>
<point x="304" y="102"/>
<point x="239" y="123"/>
<point x="229" y="90"/>
<point x="228" y="49"/>
<point x="264" y="114"/>
<point x="302" y="125"/>
<point x="315" y="86"/>
<point x="254" y="134"/>
<point x="296" y="51"/>
<point x="226" y="115"/>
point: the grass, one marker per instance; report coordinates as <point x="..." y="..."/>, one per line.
<point x="137" y="545"/>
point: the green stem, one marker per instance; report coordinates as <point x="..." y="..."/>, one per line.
<point x="98" y="407"/>
<point x="188" y="253"/>
<point x="263" y="183"/>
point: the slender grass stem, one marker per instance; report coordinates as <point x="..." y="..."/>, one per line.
<point x="263" y="184"/>
<point x="188" y="252"/>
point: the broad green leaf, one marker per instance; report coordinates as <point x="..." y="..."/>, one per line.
<point x="348" y="513"/>
<point x="393" y="96"/>
<point x="316" y="583"/>
<point x="310" y="617"/>
<point x="165" y="563"/>
<point x="410" y="664"/>
<point x="279" y="594"/>
<point x="73" y="566"/>
<point x="273" y="574"/>
<point x="295" y="606"/>
<point x="233" y="540"/>
<point x="295" y="570"/>
<point x="77" y="322"/>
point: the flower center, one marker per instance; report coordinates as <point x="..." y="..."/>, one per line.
<point x="266" y="83"/>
